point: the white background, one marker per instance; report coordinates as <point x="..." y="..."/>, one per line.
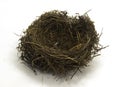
<point x="17" y="15"/>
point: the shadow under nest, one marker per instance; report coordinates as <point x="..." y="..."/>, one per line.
<point x="59" y="44"/>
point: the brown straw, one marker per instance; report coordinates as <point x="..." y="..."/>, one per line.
<point x="59" y="44"/>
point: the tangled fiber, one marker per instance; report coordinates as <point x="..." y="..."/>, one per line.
<point x="59" y="44"/>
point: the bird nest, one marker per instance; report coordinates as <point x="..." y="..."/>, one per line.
<point x="59" y="44"/>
